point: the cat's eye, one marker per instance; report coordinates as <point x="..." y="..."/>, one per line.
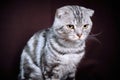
<point x="85" y="26"/>
<point x="70" y="26"/>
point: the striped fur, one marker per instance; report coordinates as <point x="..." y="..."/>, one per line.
<point x="54" y="53"/>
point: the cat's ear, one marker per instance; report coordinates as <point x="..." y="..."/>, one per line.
<point x="89" y="12"/>
<point x="61" y="12"/>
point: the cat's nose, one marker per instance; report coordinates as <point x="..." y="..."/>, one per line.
<point x="79" y="35"/>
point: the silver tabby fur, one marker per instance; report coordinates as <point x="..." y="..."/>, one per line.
<point x="54" y="53"/>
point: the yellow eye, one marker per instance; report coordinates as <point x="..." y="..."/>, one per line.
<point x="85" y="26"/>
<point x="70" y="26"/>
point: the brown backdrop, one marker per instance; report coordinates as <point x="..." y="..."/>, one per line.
<point x="20" y="19"/>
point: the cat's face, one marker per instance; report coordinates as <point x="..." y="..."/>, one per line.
<point x="73" y="23"/>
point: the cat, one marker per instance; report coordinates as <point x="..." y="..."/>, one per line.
<point x="54" y="53"/>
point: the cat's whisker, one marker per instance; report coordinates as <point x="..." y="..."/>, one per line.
<point x="94" y="37"/>
<point x="97" y="34"/>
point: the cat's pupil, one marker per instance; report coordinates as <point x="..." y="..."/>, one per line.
<point x="70" y="26"/>
<point x="85" y="26"/>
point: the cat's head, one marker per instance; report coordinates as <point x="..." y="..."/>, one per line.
<point x="72" y="23"/>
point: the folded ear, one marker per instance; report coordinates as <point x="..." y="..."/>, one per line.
<point x="61" y="12"/>
<point x="89" y="12"/>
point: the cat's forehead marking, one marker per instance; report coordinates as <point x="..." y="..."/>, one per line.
<point x="77" y="13"/>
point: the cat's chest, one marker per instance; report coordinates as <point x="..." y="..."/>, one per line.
<point x="66" y="59"/>
<point x="71" y="58"/>
<point x="56" y="54"/>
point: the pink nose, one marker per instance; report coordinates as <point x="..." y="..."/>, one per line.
<point x="79" y="35"/>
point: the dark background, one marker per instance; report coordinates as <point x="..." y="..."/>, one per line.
<point x="20" y="19"/>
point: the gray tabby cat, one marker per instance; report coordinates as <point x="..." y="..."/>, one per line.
<point x="54" y="53"/>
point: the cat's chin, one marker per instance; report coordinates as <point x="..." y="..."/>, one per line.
<point x="78" y="41"/>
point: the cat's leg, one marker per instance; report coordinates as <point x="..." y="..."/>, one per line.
<point x="47" y="73"/>
<point x="32" y="73"/>
<point x="51" y="73"/>
<point x="29" y="70"/>
<point x="58" y="73"/>
<point x="72" y="76"/>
